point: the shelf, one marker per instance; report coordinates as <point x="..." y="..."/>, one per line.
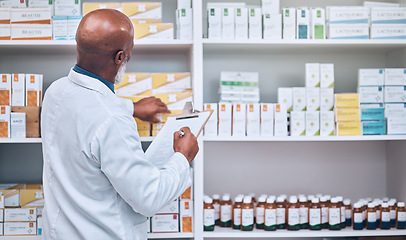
<point x="39" y="140"/>
<point x="298" y="46"/>
<point x="150" y="236"/>
<point x="231" y="233"/>
<point x="305" y="139"/>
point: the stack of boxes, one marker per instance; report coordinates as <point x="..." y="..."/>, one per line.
<point x="347" y="111"/>
<point x="31" y="24"/>
<point x="174" y="89"/>
<point x="388" y="23"/>
<point x="184" y="20"/>
<point x="20" y="99"/>
<point x="395" y="100"/>
<point x="348" y="22"/>
<point x="272" y="19"/>
<point x="22" y="206"/>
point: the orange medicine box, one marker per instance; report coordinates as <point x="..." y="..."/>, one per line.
<point x="186" y="216"/>
<point x="165" y="223"/>
<point x="4" y="122"/>
<point x="5" y="89"/>
<point x="33" y="86"/>
<point x="20" y="214"/>
<point x="18" y="89"/>
<point x="20" y="228"/>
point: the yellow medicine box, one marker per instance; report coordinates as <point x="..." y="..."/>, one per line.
<point x="348" y="128"/>
<point x="171" y="98"/>
<point x="142" y="125"/>
<point x="347" y="114"/>
<point x="144" y="133"/>
<point x="88" y="7"/>
<point x="157" y="31"/>
<point x="346" y="100"/>
<point x="31" y="198"/>
<point x="143" y="10"/>
<point x="171" y="81"/>
<point x="134" y="84"/>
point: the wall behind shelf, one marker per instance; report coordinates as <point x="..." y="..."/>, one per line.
<point x="351" y="169"/>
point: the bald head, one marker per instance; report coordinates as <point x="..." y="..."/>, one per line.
<point x="104" y="41"/>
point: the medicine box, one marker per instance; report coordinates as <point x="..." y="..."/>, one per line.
<point x="297" y="123"/>
<point x="73" y="24"/>
<point x="372" y="105"/>
<point x="395" y="110"/>
<point x="5" y="89"/>
<point x="33" y="87"/>
<point x="31" y="198"/>
<point x="20" y="214"/>
<point x="142" y="10"/>
<point x="5" y="32"/>
<point x="371" y="77"/>
<point x="210" y="128"/>
<point x="281" y="120"/>
<point x="395" y="94"/>
<point x="346" y="100"/>
<point x="239" y="119"/>
<point x="272" y="26"/>
<point x="312" y="99"/>
<point x="88" y="7"/>
<point x="397" y="126"/>
<point x="348" y="15"/>
<point x="134" y="84"/>
<point x="267" y="119"/>
<point x="20" y="228"/>
<point x="5" y="122"/>
<point x="318" y="23"/>
<point x="1" y="206"/>
<point x="285" y="96"/>
<point x="395" y="76"/>
<point x="380" y="4"/>
<point x="255" y="23"/>
<point x="186" y="216"/>
<point x="388" y="31"/>
<point x="67" y="8"/>
<point x="161" y="31"/>
<point x="348" y="128"/>
<point x="253" y="119"/>
<point x="371" y="94"/>
<point x="1" y="218"/>
<point x="312" y="123"/>
<point x="299" y="99"/>
<point x="13" y="3"/>
<point x="227" y="23"/>
<point x="171" y="81"/>
<point x="31" y="31"/>
<point x="60" y="27"/>
<point x="17" y="125"/>
<point x="289" y="23"/>
<point x="372" y="114"/>
<point x="327" y="75"/>
<point x="302" y="23"/>
<point x="348" y="31"/>
<point x="347" y="115"/>
<point x="374" y="128"/>
<point x="1" y="228"/>
<point x="165" y="223"/>
<point x="214" y="22"/>
<point x="172" y="207"/>
<point x="184" y="19"/>
<point x="312" y="75"/>
<point x="31" y="16"/>
<point x="385" y="15"/>
<point x="224" y="119"/>
<point x="187" y="194"/>
<point x="176" y="101"/>
<point x="241" y="23"/>
<point x="270" y="6"/>
<point x="41" y="4"/>
<point x="327" y="127"/>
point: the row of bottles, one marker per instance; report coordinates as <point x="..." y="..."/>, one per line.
<point x="301" y="212"/>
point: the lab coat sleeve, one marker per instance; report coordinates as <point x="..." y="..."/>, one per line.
<point x="117" y="147"/>
<point x="128" y="105"/>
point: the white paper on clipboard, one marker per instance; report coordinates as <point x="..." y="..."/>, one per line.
<point x="161" y="149"/>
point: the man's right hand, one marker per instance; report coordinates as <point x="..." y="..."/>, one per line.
<point x="187" y="145"/>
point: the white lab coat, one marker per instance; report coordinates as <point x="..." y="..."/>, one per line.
<point x="97" y="182"/>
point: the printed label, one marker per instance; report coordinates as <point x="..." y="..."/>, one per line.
<point x="315" y="216"/>
<point x="208" y="217"/>
<point x="402" y="216"/>
<point x="247" y="217"/>
<point x="280" y="216"/>
<point x="372" y="217"/>
<point x="237" y="216"/>
<point x="358" y="218"/>
<point x="304" y="215"/>
<point x="270" y="217"/>
<point x="334" y="216"/>
<point x="225" y="213"/>
<point x="385" y="217"/>
<point x="324" y="215"/>
<point x="293" y="216"/>
<point x="348" y="213"/>
<point x="260" y="215"/>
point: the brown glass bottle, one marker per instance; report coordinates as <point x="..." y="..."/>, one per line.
<point x="342" y="211"/>
<point x="280" y="213"/>
<point x="324" y="212"/>
<point x="358" y="217"/>
<point x="303" y="213"/>
<point x="348" y="212"/>
<point x="237" y="212"/>
<point x="216" y="204"/>
<point x="208" y="215"/>
<point x="401" y="216"/>
<point x="226" y="211"/>
<point x="385" y="216"/>
<point x="270" y="215"/>
<point x="260" y="212"/>
<point x="334" y="214"/>
<point x="371" y="216"/>
<point x="293" y="215"/>
<point x="392" y="209"/>
<point x="315" y="215"/>
<point x="247" y="215"/>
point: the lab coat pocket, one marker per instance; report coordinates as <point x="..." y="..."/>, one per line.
<point x="140" y="231"/>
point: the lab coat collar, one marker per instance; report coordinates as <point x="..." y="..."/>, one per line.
<point x="80" y="70"/>
<point x="89" y="82"/>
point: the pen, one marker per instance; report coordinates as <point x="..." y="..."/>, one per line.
<point x="182" y="133"/>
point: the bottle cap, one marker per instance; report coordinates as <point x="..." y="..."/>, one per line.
<point x="391" y="203"/>
<point x="393" y="200"/>
<point x="280" y="199"/>
<point x="247" y="199"/>
<point x="385" y="205"/>
<point x="385" y="199"/>
<point x="238" y="198"/>
<point x="357" y="205"/>
<point x="272" y="196"/>
<point x="371" y="205"/>
<point x="226" y="197"/>
<point x="216" y="196"/>
<point x="310" y="197"/>
<point x="401" y="204"/>
<point x="292" y="198"/>
<point x="270" y="200"/>
<point x="302" y="199"/>
<point x="240" y="195"/>
<point x="319" y="195"/>
<point x="284" y="196"/>
<point x="323" y="199"/>
<point x="347" y="202"/>
<point x="334" y="200"/>
<point x="208" y="200"/>
<point x="339" y="198"/>
<point x="315" y="200"/>
<point x="328" y="197"/>
<point x="263" y="195"/>
<point x="262" y="199"/>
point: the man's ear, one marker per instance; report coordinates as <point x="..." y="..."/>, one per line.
<point x="119" y="58"/>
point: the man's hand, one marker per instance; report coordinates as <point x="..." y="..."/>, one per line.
<point x="146" y="108"/>
<point x="187" y="144"/>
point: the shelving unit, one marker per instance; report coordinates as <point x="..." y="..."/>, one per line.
<point x="150" y="236"/>
<point x="354" y="166"/>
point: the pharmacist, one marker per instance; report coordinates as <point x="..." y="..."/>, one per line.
<point x="97" y="182"/>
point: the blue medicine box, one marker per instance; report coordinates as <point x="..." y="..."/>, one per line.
<point x="372" y="114"/>
<point x="374" y="128"/>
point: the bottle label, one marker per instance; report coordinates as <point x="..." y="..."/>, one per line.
<point x="237" y="216"/>
<point x="247" y="217"/>
<point x="280" y="216"/>
<point x="385" y="217"/>
<point x="225" y="211"/>
<point x="358" y="218"/>
<point x="342" y="212"/>
<point x="402" y="216"/>
<point x="334" y="216"/>
<point x="348" y="213"/>
<point x="324" y="215"/>
<point x="314" y="216"/>
<point x="293" y="216"/>
<point x="208" y="220"/>
<point x="260" y="215"/>
<point x="216" y="211"/>
<point x="371" y="216"/>
<point x="393" y="214"/>
<point x="270" y="217"/>
<point x="304" y="215"/>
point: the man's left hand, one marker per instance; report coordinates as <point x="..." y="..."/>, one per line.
<point x="146" y="108"/>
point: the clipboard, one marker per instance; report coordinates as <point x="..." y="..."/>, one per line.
<point x="161" y="148"/>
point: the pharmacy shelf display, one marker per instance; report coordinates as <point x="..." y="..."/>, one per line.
<point x="378" y="161"/>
